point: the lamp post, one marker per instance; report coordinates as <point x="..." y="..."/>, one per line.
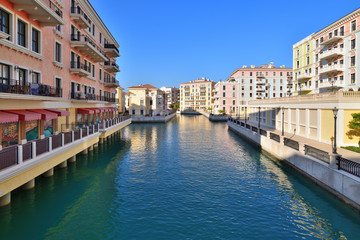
<point x="245" y="114"/>
<point x="259" y="118"/>
<point x="282" y="121"/>
<point x="335" y="111"/>
<point x="332" y="82"/>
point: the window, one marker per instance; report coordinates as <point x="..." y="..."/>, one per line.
<point x="353" y="43"/>
<point x="297" y="64"/>
<point x="4" y="22"/>
<point x="142" y="102"/>
<point x="250" y="74"/>
<point x="233" y="94"/>
<point x="352" y="78"/>
<point x="317" y="42"/>
<point x="58" y="52"/>
<point x="274" y="74"/>
<point x="353" y="61"/>
<point x="281" y="74"/>
<point x="100" y="37"/>
<point x="223" y="94"/>
<point x="233" y="102"/>
<point x="4" y="74"/>
<point x="141" y="112"/>
<point x="342" y="31"/>
<point x="297" y="53"/>
<point x="307" y="60"/>
<point x="21" y="31"/>
<point x="100" y="74"/>
<point x="93" y="70"/>
<point x="35" y="77"/>
<point x="133" y="112"/>
<point x="353" y="26"/>
<point x="250" y="80"/>
<point x="242" y="73"/>
<point x="58" y="28"/>
<point x="234" y="87"/>
<point x="35" y="44"/>
<point x="317" y="57"/>
<point x="308" y="48"/>
<point x="224" y="102"/>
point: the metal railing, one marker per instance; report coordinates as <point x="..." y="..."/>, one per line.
<point x="291" y="143"/>
<point x="54" y="8"/>
<point x="56" y="141"/>
<point x="42" y="146"/>
<point x="317" y="153"/>
<point x="254" y="129"/>
<point x="263" y="132"/>
<point x="111" y="46"/>
<point x="111" y="63"/>
<point x="27" y="151"/>
<point x="78" y="10"/>
<point x="79" y="65"/>
<point x="8" y="157"/>
<point x="67" y="138"/>
<point x="25" y="88"/>
<point x="86" y="39"/>
<point x="348" y="166"/>
<point x="275" y="137"/>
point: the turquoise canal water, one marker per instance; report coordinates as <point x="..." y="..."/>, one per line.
<point x="188" y="179"/>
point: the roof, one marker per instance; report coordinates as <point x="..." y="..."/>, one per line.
<point x="146" y="86"/>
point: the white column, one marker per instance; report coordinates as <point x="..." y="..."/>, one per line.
<point x="72" y="136"/>
<point x="80" y="133"/>
<point x="307" y="122"/>
<point x="62" y="139"/>
<point x="33" y="150"/>
<point x="340" y="128"/>
<point x="50" y="144"/>
<point x="319" y="125"/>
<point x="87" y="131"/>
<point x="20" y="154"/>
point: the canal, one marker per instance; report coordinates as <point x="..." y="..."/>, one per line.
<point x="188" y="179"/>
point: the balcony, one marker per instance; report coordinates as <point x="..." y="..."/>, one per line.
<point x="111" y="50"/>
<point x="80" y="18"/>
<point x="331" y="68"/>
<point x="31" y="89"/>
<point x="326" y="84"/>
<point x="113" y="83"/>
<point x="91" y="97"/>
<point x="304" y="76"/>
<point x="331" y="53"/>
<point x="260" y="76"/>
<point x="87" y="47"/>
<point x="4" y="35"/>
<point x="329" y="40"/>
<point x="43" y="11"/>
<point x="111" y="66"/>
<point x="79" y="69"/>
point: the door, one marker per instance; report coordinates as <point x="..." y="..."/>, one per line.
<point x="72" y="90"/>
<point x="22" y="76"/>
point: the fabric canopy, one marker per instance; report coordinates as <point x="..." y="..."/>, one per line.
<point x="8" y="117"/>
<point x="85" y="111"/>
<point x="59" y="112"/>
<point x="25" y="115"/>
<point x="96" y="110"/>
<point x="45" y="115"/>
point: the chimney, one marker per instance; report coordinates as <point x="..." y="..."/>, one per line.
<point x="252" y="66"/>
<point x="244" y="66"/>
<point x="140" y="84"/>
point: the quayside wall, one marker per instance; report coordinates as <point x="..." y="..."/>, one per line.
<point x="342" y="184"/>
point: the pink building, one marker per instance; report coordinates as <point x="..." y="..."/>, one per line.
<point x="226" y="97"/>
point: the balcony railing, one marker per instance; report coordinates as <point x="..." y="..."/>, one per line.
<point x="331" y="68"/>
<point x="78" y="15"/>
<point x="35" y="89"/>
<point x="91" y="97"/>
<point x="332" y="53"/>
<point x="111" y="50"/>
<point x="80" y="69"/>
<point x="111" y="66"/>
<point x="87" y="47"/>
<point x="111" y="82"/>
<point x="336" y="37"/>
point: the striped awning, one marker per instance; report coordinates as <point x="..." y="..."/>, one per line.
<point x="8" y="117"/>
<point x="85" y="111"/>
<point x="45" y="115"/>
<point x="60" y="113"/>
<point x="25" y="115"/>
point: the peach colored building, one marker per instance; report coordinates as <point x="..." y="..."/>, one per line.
<point x="226" y="97"/>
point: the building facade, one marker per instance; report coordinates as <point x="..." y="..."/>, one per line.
<point x="303" y="66"/>
<point x="172" y="95"/>
<point x="263" y="82"/>
<point x="225" y="98"/>
<point x="196" y="95"/>
<point x="57" y="84"/>
<point x="334" y="54"/>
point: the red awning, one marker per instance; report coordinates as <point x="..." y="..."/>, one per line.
<point x="111" y="109"/>
<point x="85" y="111"/>
<point x="96" y="110"/>
<point x="45" y="115"/>
<point x="25" y="115"/>
<point x="60" y="113"/>
<point x="104" y="109"/>
<point x="8" y="117"/>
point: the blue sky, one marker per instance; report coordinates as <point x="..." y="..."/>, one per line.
<point x="168" y="42"/>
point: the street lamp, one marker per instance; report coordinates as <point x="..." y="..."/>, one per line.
<point x="332" y="82"/>
<point x="259" y="118"/>
<point x="282" y="121"/>
<point x="335" y="112"/>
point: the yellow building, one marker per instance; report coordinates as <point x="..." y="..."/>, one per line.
<point x="196" y="95"/>
<point x="120" y="96"/>
<point x="139" y="99"/>
<point x="303" y="66"/>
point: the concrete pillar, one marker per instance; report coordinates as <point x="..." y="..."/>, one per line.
<point x="101" y="140"/>
<point x="72" y="159"/>
<point x="302" y="148"/>
<point x="333" y="161"/>
<point x="85" y="151"/>
<point x="87" y="131"/>
<point x="96" y="145"/>
<point x="62" y="139"/>
<point x="80" y="133"/>
<point x="72" y="136"/>
<point x="63" y="164"/>
<point x="33" y="150"/>
<point x="29" y="185"/>
<point x="50" y="144"/>
<point x="91" y="148"/>
<point x="20" y="154"/>
<point x="5" y="200"/>
<point x="49" y="173"/>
